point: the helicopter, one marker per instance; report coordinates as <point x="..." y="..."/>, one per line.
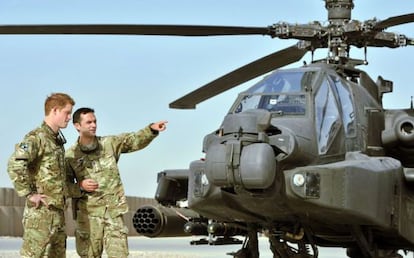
<point x="307" y="156"/>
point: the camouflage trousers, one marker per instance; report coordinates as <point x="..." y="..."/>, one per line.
<point x="44" y="233"/>
<point x="94" y="234"/>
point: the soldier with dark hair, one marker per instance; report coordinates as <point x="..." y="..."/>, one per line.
<point x="37" y="170"/>
<point x="99" y="210"/>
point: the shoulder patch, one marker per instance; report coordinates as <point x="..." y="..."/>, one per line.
<point x="24" y="146"/>
<point x="22" y="150"/>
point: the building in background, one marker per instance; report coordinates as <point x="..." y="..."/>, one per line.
<point x="11" y="213"/>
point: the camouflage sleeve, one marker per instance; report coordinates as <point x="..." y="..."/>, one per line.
<point x="71" y="181"/>
<point x="129" y="142"/>
<point x="20" y="162"/>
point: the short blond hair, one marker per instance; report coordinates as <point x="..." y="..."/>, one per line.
<point x="59" y="100"/>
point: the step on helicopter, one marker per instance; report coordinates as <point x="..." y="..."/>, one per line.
<point x="307" y="157"/>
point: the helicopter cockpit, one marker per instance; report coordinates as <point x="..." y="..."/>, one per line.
<point x="295" y="93"/>
<point x="282" y="92"/>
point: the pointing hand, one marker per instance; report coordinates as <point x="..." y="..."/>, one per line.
<point x="159" y="126"/>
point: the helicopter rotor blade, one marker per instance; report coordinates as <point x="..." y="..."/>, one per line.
<point x="394" y="21"/>
<point x="137" y="29"/>
<point x="245" y="73"/>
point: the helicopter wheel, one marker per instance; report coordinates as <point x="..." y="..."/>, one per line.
<point x="389" y="254"/>
<point x="354" y="252"/>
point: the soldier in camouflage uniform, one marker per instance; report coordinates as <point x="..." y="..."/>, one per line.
<point x="93" y="160"/>
<point x="37" y="170"/>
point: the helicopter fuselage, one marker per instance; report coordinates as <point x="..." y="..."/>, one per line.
<point x="301" y="155"/>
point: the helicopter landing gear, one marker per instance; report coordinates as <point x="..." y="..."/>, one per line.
<point x="356" y="253"/>
<point x="281" y="249"/>
<point x="250" y="248"/>
<point x="366" y="248"/>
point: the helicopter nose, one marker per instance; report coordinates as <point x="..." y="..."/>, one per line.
<point x="241" y="155"/>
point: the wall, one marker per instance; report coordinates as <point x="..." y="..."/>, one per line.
<point x="11" y="213"/>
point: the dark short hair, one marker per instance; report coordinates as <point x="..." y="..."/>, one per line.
<point x="81" y="111"/>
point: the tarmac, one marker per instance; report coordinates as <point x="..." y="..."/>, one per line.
<point x="141" y="247"/>
<point x="170" y="247"/>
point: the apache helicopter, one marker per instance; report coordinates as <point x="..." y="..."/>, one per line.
<point x="307" y="156"/>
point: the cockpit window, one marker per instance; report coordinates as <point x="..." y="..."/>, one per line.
<point x="282" y="92"/>
<point x="292" y="104"/>
<point x="345" y="99"/>
<point x="327" y="119"/>
<point x="284" y="81"/>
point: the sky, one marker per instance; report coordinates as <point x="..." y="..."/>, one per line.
<point x="130" y="80"/>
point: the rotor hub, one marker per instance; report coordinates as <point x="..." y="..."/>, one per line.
<point x="339" y="9"/>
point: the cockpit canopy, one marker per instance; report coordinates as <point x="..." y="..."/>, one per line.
<point x="282" y="92"/>
<point x="315" y="93"/>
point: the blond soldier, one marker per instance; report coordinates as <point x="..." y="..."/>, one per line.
<point x="93" y="159"/>
<point x="37" y="170"/>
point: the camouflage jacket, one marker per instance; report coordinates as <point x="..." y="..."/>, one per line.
<point x="37" y="166"/>
<point x="100" y="165"/>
